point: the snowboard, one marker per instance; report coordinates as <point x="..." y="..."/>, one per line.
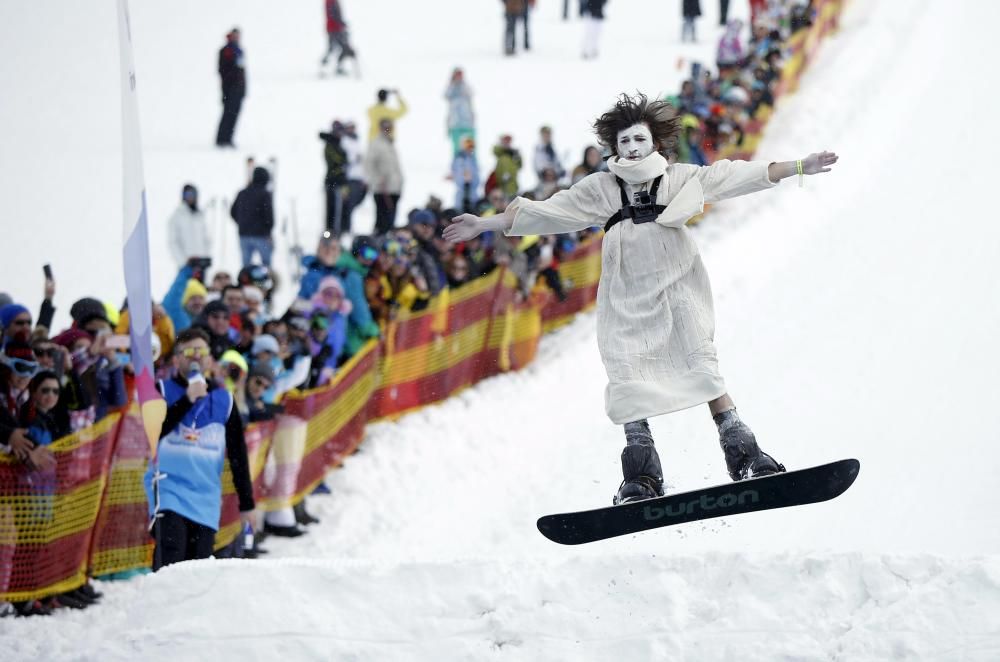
<point x="791" y="488"/>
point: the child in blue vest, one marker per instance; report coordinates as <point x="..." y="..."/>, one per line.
<point x="202" y="428"/>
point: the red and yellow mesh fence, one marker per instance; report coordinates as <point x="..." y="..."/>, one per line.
<point x="88" y="516"/>
<point x="120" y="542"/>
<point x="47" y="518"/>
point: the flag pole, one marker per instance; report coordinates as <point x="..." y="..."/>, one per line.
<point x="135" y="255"/>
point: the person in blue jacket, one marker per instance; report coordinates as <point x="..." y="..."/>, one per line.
<point x="465" y="174"/>
<point x="201" y="429"/>
<point x="326" y="343"/>
<point x="186" y="298"/>
<point x="330" y="260"/>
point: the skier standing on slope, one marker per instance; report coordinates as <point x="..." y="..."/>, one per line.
<point x="655" y="319"/>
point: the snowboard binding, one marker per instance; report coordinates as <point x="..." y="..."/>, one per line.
<point x="744" y="458"/>
<point x="643" y="476"/>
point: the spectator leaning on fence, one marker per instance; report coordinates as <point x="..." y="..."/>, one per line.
<point x="202" y="428"/>
<point x="330" y="260"/>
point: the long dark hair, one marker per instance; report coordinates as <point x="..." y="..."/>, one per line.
<point x="661" y="118"/>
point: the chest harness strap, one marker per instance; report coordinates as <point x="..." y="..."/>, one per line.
<point x="642" y="209"/>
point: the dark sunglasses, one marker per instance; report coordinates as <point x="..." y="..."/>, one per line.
<point x="49" y="390"/>
<point x="47" y="352"/>
<point x="261" y="382"/>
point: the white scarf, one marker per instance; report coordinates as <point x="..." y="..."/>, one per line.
<point x="641" y="171"/>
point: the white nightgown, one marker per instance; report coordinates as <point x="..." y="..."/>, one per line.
<point x="655" y="320"/>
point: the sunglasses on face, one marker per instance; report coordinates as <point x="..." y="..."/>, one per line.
<point x="47" y="352"/>
<point x="260" y="382"/>
<point x="49" y="390"/>
<point x="194" y="352"/>
<point x="21" y="367"/>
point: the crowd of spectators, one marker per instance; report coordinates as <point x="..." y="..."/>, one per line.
<point x="224" y="328"/>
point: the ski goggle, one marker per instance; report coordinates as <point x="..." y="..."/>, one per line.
<point x="368" y="253"/>
<point x="194" y="352"/>
<point x="21" y="367"/>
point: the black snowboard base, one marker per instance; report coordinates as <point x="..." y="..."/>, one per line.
<point x="792" y="488"/>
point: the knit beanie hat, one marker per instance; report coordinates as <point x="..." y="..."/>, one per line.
<point x="69" y="337"/>
<point x="194" y="288"/>
<point x="9" y="312"/>
<point x="261" y="369"/>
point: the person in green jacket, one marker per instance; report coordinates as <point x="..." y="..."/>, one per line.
<point x="508" y="165"/>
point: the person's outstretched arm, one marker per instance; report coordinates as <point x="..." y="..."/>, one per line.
<point x="811" y="165"/>
<point x="579" y="207"/>
<point x="470" y="226"/>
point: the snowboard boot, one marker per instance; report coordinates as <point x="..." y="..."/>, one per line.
<point x="643" y="476"/>
<point x="744" y="458"/>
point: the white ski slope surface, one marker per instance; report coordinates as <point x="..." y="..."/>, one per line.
<point x="856" y="317"/>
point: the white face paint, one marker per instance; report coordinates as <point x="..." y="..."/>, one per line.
<point x="635" y="143"/>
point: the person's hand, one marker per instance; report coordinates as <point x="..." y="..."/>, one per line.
<point x="50" y="288"/>
<point x="197" y="389"/>
<point x="462" y="228"/>
<point x="818" y="162"/>
<point x="20" y="445"/>
<point x="97" y="346"/>
<point x="248" y="517"/>
<point x="41" y="459"/>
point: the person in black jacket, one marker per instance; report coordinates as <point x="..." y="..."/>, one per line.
<point x="234" y="87"/>
<point x="336" y="177"/>
<point x="253" y="212"/>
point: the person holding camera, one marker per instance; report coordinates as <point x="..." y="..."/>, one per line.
<point x="188" y="230"/>
<point x="202" y="429"/>
<point x="381" y="110"/>
<point x="187" y="296"/>
<point x="655" y="321"/>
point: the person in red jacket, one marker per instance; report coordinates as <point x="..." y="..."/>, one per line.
<point x="336" y="31"/>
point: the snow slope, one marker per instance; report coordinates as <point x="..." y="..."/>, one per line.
<point x="856" y="317"/>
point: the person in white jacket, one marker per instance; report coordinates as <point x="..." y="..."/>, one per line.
<point x="655" y="319"/>
<point x="188" y="229"/>
<point x="385" y="176"/>
<point x="357" y="189"/>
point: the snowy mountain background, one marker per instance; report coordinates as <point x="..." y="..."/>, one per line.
<point x="856" y="317"/>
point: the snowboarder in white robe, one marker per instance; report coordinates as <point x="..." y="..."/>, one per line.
<point x="655" y="319"/>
